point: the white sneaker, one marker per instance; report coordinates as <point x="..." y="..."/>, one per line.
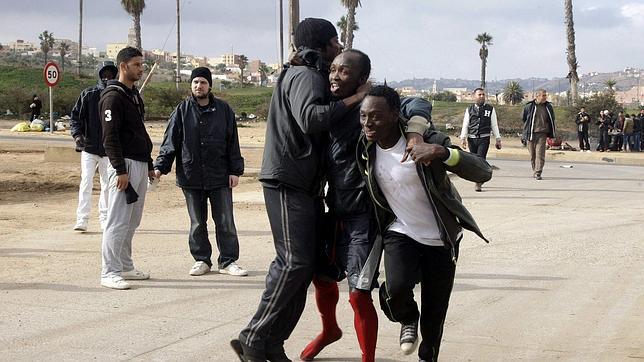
<point x="80" y="226"/>
<point x="234" y="269"/>
<point x="135" y="275"/>
<point x="199" y="268"/>
<point x="115" y="282"/>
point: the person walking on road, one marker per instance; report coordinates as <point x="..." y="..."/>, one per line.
<point x="128" y="148"/>
<point x="87" y="132"/>
<point x="479" y="123"/>
<point x="300" y="113"/>
<point x="202" y="136"/>
<point x="421" y="223"/>
<point x="350" y="228"/>
<point x="538" y="124"/>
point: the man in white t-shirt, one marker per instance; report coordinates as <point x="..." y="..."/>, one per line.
<point x="420" y="216"/>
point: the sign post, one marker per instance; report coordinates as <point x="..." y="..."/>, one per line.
<point x="52" y="76"/>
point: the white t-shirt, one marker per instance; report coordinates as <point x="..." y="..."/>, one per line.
<point x="406" y="195"/>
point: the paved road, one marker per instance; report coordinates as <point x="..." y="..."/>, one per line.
<point x="561" y="280"/>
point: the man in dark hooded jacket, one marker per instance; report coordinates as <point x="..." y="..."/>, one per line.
<point x="292" y="176"/>
<point x="87" y="132"/>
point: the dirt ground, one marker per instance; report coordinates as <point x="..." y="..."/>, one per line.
<point x="27" y="180"/>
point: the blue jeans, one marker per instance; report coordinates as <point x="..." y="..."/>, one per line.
<point x="221" y="203"/>
<point x="637" y="139"/>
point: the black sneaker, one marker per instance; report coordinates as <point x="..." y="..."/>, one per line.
<point x="409" y="337"/>
<point x="245" y="353"/>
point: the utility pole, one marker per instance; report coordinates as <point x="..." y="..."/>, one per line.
<point x="281" y="34"/>
<point x="294" y="19"/>
<point x="178" y="78"/>
<point x="80" y="38"/>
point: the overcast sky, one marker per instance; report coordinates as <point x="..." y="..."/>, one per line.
<point x="411" y="39"/>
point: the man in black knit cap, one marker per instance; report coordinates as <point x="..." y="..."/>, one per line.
<point x="202" y="135"/>
<point x="292" y="176"/>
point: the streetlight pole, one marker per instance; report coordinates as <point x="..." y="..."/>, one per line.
<point x="281" y="34"/>
<point x="178" y="77"/>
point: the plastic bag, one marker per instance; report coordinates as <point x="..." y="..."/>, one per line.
<point x="21" y="127"/>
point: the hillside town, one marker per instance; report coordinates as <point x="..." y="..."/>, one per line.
<point x="227" y="68"/>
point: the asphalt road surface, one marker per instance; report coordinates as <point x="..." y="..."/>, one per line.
<point x="562" y="279"/>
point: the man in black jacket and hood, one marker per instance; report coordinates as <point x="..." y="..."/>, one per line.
<point x="202" y="136"/>
<point x="87" y="132"/>
<point x="300" y="113"/>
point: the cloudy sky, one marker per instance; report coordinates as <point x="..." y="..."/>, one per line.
<point x="411" y="39"/>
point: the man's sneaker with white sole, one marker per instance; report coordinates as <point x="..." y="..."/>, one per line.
<point x="135" y="275"/>
<point x="115" y="282"/>
<point x="233" y="269"/>
<point x="199" y="268"/>
<point x="409" y="337"/>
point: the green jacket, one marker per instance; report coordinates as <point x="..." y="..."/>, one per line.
<point x="451" y="215"/>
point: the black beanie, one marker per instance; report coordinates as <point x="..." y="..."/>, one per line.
<point x="314" y="33"/>
<point x="201" y="72"/>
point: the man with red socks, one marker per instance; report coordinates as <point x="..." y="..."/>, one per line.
<point x="352" y="229"/>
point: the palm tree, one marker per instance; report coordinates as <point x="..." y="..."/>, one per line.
<point x="573" y="78"/>
<point x="243" y="62"/>
<point x="46" y="42"/>
<point x="342" y="24"/>
<point x="220" y="68"/>
<point x="80" y="38"/>
<point x="135" y="8"/>
<point x="62" y="49"/>
<point x="293" y="20"/>
<point x="484" y="39"/>
<point x="611" y="85"/>
<point x="513" y="93"/>
<point x="351" y="6"/>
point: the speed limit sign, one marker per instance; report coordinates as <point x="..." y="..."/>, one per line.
<point x="51" y="74"/>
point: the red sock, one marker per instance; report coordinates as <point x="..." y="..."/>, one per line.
<point x="326" y="298"/>
<point x="365" y="320"/>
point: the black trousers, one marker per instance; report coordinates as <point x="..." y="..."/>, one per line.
<point x="583" y="140"/>
<point x="293" y="216"/>
<point x="479" y="146"/>
<point x="406" y="262"/>
<point x="221" y="203"/>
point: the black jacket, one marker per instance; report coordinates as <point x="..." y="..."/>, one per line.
<point x="300" y="112"/>
<point x="205" y="143"/>
<point x="449" y="211"/>
<point x="124" y="134"/>
<point x="582" y="121"/>
<point x="528" y="116"/>
<point x="347" y="193"/>
<point x="86" y="121"/>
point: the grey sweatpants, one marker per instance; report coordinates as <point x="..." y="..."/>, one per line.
<point x="122" y="219"/>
